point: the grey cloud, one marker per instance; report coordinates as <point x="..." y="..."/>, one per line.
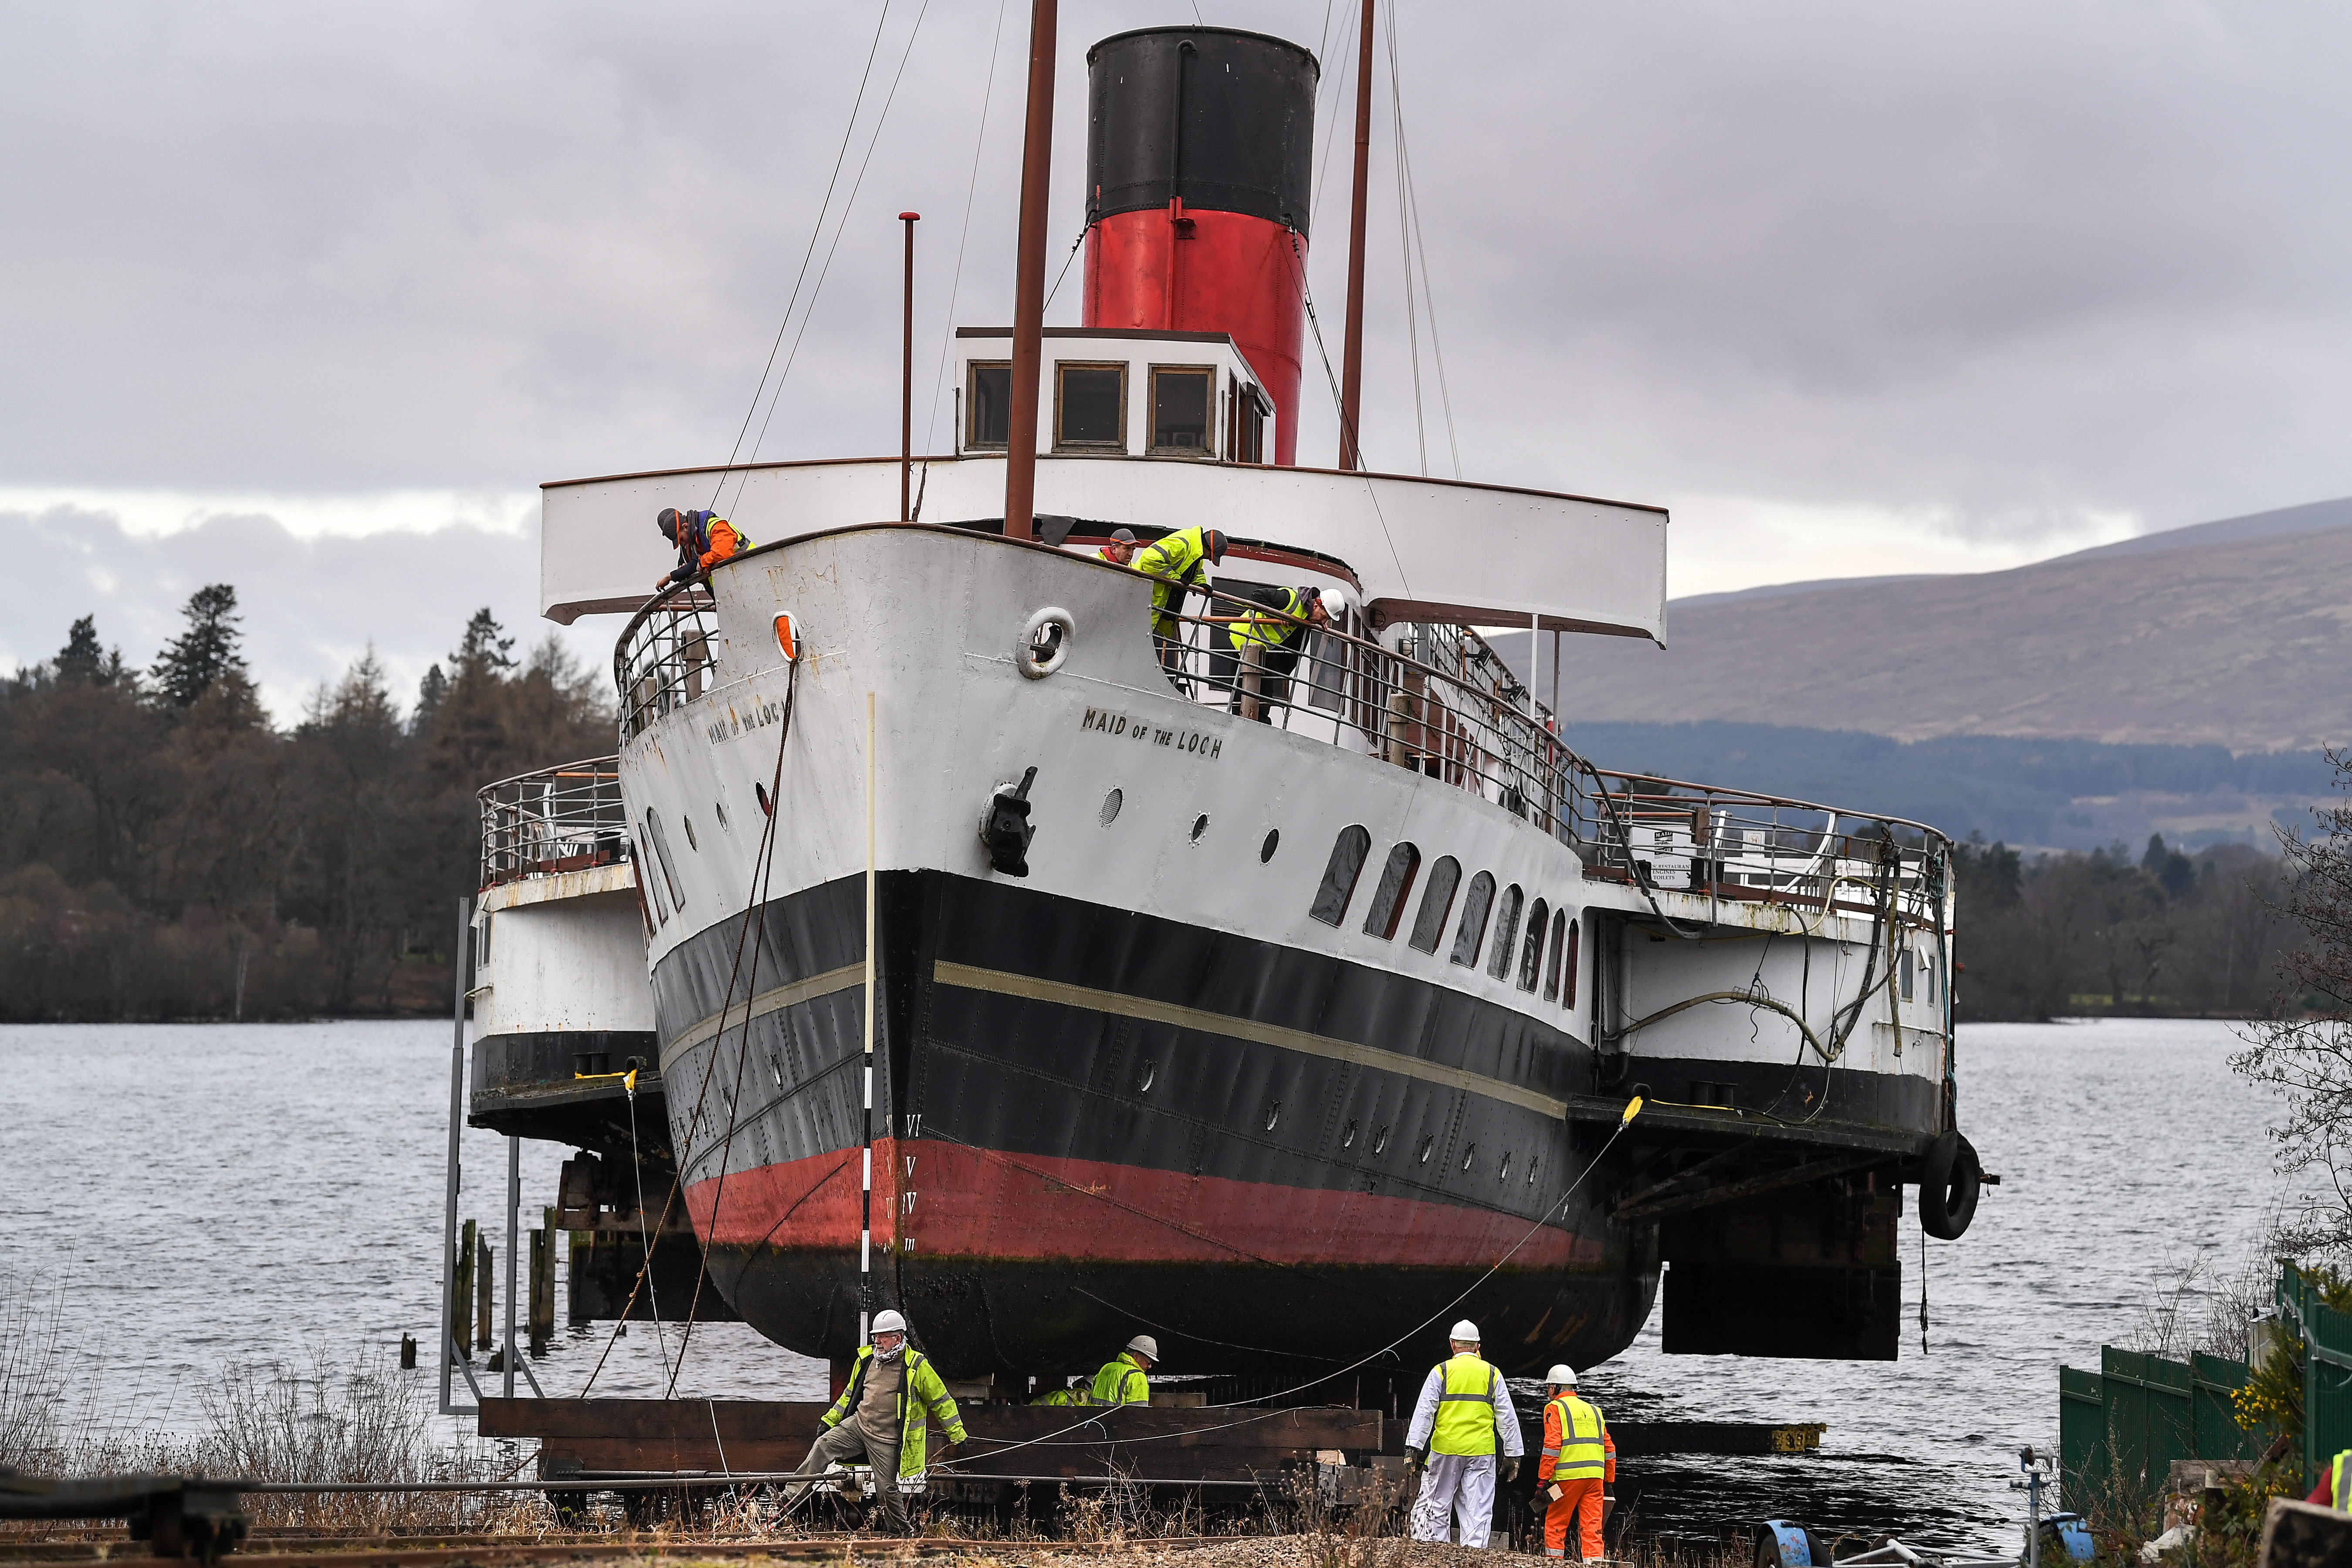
<point x="2007" y="261"/>
<point x="310" y="607"/>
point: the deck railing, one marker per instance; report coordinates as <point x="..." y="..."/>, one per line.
<point x="555" y="819"/>
<point x="663" y="660"/>
<point x="1441" y="701"/>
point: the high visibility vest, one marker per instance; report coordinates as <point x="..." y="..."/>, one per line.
<point x="2336" y="1479"/>
<point x="1175" y="560"/>
<point x="1121" y="1382"/>
<point x="923" y="1401"/>
<point x="1583" y="1448"/>
<point x="1271" y="630"/>
<point x="1465" y="1411"/>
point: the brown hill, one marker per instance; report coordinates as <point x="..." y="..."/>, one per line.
<point x="2237" y="633"/>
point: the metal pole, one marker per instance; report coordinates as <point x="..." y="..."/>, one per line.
<point x="514" y="1218"/>
<point x="457" y="1114"/>
<point x="906" y="381"/>
<point x="1029" y="278"/>
<point x="866" y="1204"/>
<point x="1351" y="361"/>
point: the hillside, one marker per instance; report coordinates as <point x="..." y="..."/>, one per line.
<point x="2235" y="633"/>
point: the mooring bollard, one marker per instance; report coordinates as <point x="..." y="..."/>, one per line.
<point x="407" y="1353"/>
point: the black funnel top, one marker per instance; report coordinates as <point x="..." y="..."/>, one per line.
<point x="1222" y="117"/>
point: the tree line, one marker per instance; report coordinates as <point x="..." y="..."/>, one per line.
<point x="2162" y="933"/>
<point x="167" y="851"/>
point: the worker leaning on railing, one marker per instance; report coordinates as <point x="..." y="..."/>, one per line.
<point x="1278" y="633"/>
<point x="703" y="539"/>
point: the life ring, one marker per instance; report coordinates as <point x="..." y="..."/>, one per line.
<point x="1045" y="643"/>
<point x="1950" y="1179"/>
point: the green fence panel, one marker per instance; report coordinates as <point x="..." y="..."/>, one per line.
<point x="2082" y="1451"/>
<point x="2121" y="1427"/>
<point x="2215" y="1433"/>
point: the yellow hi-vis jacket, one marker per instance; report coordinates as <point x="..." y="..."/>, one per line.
<point x="1273" y="630"/>
<point x="1577" y="1445"/>
<point x="922" y="1392"/>
<point x="1175" y="560"/>
<point x="1465" y="1411"/>
<point x="1121" y="1382"/>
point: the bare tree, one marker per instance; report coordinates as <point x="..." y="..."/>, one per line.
<point x="2305" y="1049"/>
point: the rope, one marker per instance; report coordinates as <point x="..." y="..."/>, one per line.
<point x="955" y="283"/>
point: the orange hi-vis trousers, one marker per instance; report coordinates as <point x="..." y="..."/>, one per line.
<point x="1580" y="1501"/>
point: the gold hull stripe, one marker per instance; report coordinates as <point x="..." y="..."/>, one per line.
<point x="766" y="1002"/>
<point x="972" y="978"/>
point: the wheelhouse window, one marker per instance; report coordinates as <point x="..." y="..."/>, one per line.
<point x="1339" y="875"/>
<point x="1388" y="900"/>
<point x="1436" y="904"/>
<point x="988" y="406"/>
<point x="1246" y="428"/>
<point x="1181" y="396"/>
<point x="1500" y="965"/>
<point x="1473" y="929"/>
<point x="1531" y="959"/>
<point x="1089" y="408"/>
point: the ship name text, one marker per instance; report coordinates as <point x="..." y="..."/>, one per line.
<point x="735" y="721"/>
<point x="1104" y="721"/>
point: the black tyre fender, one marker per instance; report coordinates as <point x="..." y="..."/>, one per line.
<point x="1950" y="1179"/>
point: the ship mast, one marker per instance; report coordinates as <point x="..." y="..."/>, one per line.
<point x="1351" y="362"/>
<point x="1029" y="278"/>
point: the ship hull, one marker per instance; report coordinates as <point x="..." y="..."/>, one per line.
<point x="1088" y="1119"/>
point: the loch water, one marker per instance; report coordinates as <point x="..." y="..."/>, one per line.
<point x="192" y="1197"/>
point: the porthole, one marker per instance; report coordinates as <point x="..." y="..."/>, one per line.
<point x="1143" y="1079"/>
<point x="1505" y="1173"/>
<point x="761" y="791"/>
<point x="1348" y="1138"/>
<point x="1531" y="1168"/>
<point x="690" y="841"/>
<point x="1266" y="849"/>
<point x="1469" y="1156"/>
<point x="1427" y="1145"/>
<point x="719" y="808"/>
<point x="1381" y="1141"/>
<point x="1111" y="803"/>
<point x="1200" y="826"/>
<point x="1272" y="1114"/>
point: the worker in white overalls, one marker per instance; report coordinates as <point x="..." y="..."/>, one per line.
<point x="1464" y="1408"/>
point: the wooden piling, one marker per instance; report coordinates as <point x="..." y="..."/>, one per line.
<point x="543" y="1282"/>
<point x="461" y="1291"/>
<point x="484" y="1274"/>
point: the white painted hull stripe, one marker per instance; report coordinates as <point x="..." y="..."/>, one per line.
<point x="972" y="978"/>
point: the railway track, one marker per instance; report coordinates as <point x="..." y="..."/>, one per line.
<point x="432" y="1552"/>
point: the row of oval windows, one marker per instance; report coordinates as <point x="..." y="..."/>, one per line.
<point x="1547" y="952"/>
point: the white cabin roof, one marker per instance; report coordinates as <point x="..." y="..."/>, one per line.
<point x="1425" y="549"/>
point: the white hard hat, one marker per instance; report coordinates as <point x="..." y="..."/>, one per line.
<point x="1144" y="1345"/>
<point x="890" y="1323"/>
<point x="1466" y="1332"/>
<point x="1562" y="1373"/>
<point x="1334" y="602"/>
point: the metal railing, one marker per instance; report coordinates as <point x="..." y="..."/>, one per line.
<point x="556" y="820"/>
<point x="1441" y="701"/>
<point x="663" y="660"/>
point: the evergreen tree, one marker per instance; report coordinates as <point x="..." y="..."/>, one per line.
<point x="82" y="658"/>
<point x="430" y="693"/>
<point x="485" y="650"/>
<point x="206" y="653"/>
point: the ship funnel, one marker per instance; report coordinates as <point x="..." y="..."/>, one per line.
<point x="1199" y="152"/>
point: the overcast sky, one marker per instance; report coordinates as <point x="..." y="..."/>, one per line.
<point x="309" y="299"/>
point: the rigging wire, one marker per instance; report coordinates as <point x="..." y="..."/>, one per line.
<point x="840" y="228"/>
<point x="1404" y="244"/>
<point x="963" y="234"/>
<point x="1420" y="248"/>
<point x="817" y="230"/>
